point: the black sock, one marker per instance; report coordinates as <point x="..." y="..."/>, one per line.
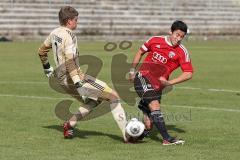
<point x="144" y="134"/>
<point x="158" y="121"/>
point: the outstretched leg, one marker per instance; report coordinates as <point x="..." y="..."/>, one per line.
<point x="117" y="110"/>
<point x="83" y="111"/>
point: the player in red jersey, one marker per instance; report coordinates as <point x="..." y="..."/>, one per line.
<point x="164" y="55"/>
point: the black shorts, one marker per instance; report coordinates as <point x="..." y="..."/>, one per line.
<point x="146" y="92"/>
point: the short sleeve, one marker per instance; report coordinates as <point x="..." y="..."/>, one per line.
<point x="185" y="60"/>
<point x="146" y="45"/>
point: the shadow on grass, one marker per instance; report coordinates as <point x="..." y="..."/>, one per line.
<point x="154" y="135"/>
<point x="84" y="133"/>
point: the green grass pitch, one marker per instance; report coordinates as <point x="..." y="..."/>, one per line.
<point x="204" y="111"/>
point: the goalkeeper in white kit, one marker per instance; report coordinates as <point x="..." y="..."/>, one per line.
<point x="85" y="88"/>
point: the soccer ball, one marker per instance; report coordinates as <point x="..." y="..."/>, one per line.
<point x="134" y="128"/>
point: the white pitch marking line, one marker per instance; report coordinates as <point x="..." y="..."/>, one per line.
<point x="187" y="88"/>
<point x="203" y="108"/>
<point x="22" y="82"/>
<point x="31" y="97"/>
<point x="190" y="88"/>
<point x="168" y="105"/>
<point x="210" y="89"/>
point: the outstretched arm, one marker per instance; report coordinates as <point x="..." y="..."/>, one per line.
<point x="181" y="78"/>
<point x="135" y="62"/>
<point x="137" y="58"/>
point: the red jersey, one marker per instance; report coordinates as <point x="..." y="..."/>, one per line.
<point x="163" y="59"/>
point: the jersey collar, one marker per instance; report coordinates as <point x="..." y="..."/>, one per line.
<point x="166" y="40"/>
<point x="66" y="28"/>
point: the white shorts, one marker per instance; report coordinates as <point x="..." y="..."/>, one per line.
<point x="93" y="88"/>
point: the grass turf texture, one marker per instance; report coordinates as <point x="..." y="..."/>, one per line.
<point x="30" y="129"/>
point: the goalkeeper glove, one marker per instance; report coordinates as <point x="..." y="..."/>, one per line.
<point x="48" y="70"/>
<point x="81" y="91"/>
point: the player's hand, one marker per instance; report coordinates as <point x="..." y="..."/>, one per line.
<point x="49" y="71"/>
<point x="166" y="86"/>
<point x="81" y="91"/>
<point x="85" y="99"/>
<point x="131" y="74"/>
<point x="164" y="81"/>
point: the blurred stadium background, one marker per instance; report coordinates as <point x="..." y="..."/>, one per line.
<point x="121" y="19"/>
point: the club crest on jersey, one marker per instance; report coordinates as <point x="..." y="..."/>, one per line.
<point x="158" y="46"/>
<point x="171" y="54"/>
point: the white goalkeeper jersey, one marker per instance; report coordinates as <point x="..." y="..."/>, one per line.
<point x="64" y="46"/>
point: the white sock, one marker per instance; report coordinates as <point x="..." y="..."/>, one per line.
<point x="82" y="112"/>
<point x="119" y="116"/>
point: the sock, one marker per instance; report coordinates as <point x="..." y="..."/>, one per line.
<point x="158" y="121"/>
<point x="119" y="116"/>
<point x="144" y="134"/>
<point x="82" y="112"/>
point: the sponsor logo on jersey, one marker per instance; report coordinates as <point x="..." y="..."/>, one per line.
<point x="159" y="57"/>
<point x="158" y="46"/>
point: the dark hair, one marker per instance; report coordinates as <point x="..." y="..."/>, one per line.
<point x="66" y="13"/>
<point x="179" y="25"/>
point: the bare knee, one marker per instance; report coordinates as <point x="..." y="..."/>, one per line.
<point x="154" y="105"/>
<point x="147" y="122"/>
<point x="113" y="96"/>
